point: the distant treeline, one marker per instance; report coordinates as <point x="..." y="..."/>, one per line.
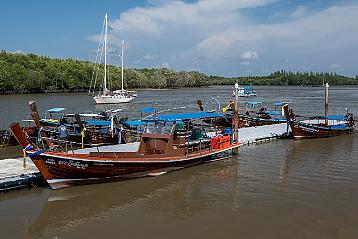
<point x="29" y="73"/>
<point x="288" y="78"/>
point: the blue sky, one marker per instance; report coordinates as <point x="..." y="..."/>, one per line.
<point x="219" y="37"/>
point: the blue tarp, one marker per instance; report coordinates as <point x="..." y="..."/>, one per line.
<point x="148" y="110"/>
<point x="273" y="112"/>
<point x="335" y="117"/>
<point x="280" y="119"/>
<point x="55" y="110"/>
<point x="98" y="122"/>
<point x="135" y="123"/>
<point x="184" y="116"/>
<point x="253" y="102"/>
<point x="340" y="126"/>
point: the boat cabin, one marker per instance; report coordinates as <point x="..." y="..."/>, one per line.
<point x="177" y="137"/>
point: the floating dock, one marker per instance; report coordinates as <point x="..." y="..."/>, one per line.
<point x="20" y="173"/>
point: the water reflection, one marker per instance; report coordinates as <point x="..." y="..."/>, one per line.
<point x="315" y="155"/>
<point x="175" y="195"/>
<point x="289" y="159"/>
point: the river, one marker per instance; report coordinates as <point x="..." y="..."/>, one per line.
<point x="282" y="189"/>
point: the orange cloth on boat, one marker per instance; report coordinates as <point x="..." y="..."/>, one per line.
<point x="220" y="142"/>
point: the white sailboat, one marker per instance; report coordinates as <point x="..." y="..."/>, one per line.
<point x="106" y="96"/>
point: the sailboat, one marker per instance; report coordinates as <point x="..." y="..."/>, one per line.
<point x="106" y="96"/>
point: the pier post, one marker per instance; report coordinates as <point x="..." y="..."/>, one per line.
<point x="326" y="102"/>
<point x="236" y="119"/>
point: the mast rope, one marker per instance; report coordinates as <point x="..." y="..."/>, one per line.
<point x="97" y="60"/>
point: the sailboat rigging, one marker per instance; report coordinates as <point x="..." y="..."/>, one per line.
<point x="106" y="96"/>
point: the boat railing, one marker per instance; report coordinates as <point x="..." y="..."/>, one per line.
<point x="59" y="145"/>
<point x="206" y="144"/>
<point x="4" y="138"/>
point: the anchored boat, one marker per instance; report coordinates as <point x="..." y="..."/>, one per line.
<point x="320" y="126"/>
<point x="86" y="129"/>
<point x="246" y="91"/>
<point x="164" y="147"/>
<point x="107" y="96"/>
<point x="337" y="125"/>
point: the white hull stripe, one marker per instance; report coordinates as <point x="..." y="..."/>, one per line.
<point x="144" y="173"/>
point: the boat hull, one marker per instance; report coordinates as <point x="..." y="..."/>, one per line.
<point x="307" y="131"/>
<point x="112" y="99"/>
<point x="66" y="170"/>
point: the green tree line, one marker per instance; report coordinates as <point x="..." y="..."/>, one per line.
<point x="288" y="78"/>
<point x="29" y="73"/>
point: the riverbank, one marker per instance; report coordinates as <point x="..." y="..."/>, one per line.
<point x="30" y="73"/>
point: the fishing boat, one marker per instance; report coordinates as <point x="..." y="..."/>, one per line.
<point x="161" y="149"/>
<point x="320" y="126"/>
<point x="167" y="144"/>
<point x="277" y="115"/>
<point x="8" y="139"/>
<point x="246" y="91"/>
<point x="251" y="117"/>
<point x="106" y="96"/>
<point x="85" y="129"/>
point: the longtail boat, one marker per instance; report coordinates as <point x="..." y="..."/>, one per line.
<point x="162" y="148"/>
<point x="8" y="139"/>
<point x="320" y="126"/>
<point x="88" y="129"/>
<point x="250" y="117"/>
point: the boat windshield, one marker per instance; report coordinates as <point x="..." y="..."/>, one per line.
<point x="159" y="127"/>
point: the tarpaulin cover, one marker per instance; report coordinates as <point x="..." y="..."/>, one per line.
<point x="135" y="123"/>
<point x="335" y="117"/>
<point x="98" y="122"/>
<point x="184" y="116"/>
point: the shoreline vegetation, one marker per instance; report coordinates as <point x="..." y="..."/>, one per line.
<point x="30" y="73"/>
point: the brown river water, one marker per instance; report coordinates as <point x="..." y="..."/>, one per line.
<point x="281" y="189"/>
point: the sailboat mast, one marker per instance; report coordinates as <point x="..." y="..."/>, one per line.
<point x="122" y="61"/>
<point x="105" y="56"/>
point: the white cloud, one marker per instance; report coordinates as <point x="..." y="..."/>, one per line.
<point x="166" y="65"/>
<point x="335" y="66"/>
<point x="214" y="33"/>
<point x="150" y="56"/>
<point x="299" y="12"/>
<point x="249" y="55"/>
<point x="245" y="63"/>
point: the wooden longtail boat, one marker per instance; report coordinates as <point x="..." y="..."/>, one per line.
<point x="341" y="125"/>
<point x="8" y="139"/>
<point x="160" y="150"/>
<point x="90" y="129"/>
<point x="323" y="127"/>
<point x="249" y="117"/>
